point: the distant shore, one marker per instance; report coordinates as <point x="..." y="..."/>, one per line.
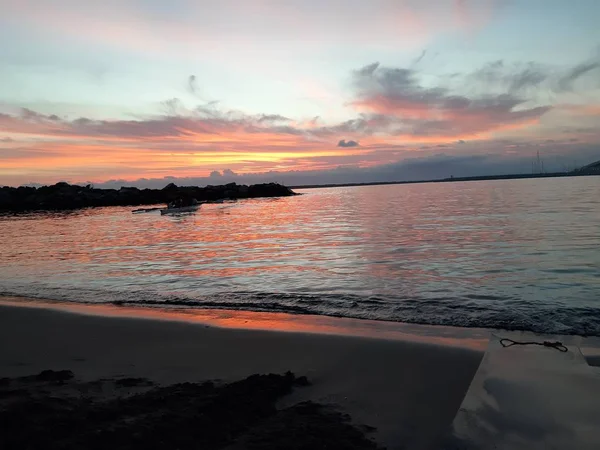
<point x="452" y="179"/>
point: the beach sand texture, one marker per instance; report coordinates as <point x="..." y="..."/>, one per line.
<point x="400" y="384"/>
<point x="408" y="391"/>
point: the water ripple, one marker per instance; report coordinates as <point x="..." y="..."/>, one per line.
<point x="519" y="254"/>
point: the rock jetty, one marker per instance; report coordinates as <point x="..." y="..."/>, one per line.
<point x="65" y="196"/>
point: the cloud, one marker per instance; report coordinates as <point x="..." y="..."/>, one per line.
<point x="191" y="141"/>
<point x="382" y="162"/>
<point x="515" y="78"/>
<point x="567" y="81"/>
<point x="531" y="78"/>
<point x="396" y="99"/>
<point x="221" y="175"/>
<point x="6" y="140"/>
<point x="192" y="87"/>
<point x="390" y="101"/>
<point x="185" y="28"/>
<point x="272" y="118"/>
<point x="179" y="122"/>
<point x="420" y="57"/>
<point x="343" y="143"/>
<point x="582" y="109"/>
<point x="33" y="116"/>
<point x="392" y="112"/>
<point x="172" y="107"/>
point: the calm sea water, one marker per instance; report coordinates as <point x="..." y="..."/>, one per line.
<point x="522" y="254"/>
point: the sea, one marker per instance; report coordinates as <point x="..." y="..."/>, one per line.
<point x="510" y="254"/>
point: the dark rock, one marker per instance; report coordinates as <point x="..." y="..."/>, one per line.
<point x="269" y="190"/>
<point x="128" y="190"/>
<point x="63" y="196"/>
<point x="5" y="196"/>
<point x="302" y="381"/>
<point x="11" y="393"/>
<point x="131" y="382"/>
<point x="170" y="187"/>
<point x="54" y="375"/>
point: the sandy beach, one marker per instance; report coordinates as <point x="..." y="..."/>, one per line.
<point x="408" y="391"/>
<point x="406" y="382"/>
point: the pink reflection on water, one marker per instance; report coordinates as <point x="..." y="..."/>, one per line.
<point x="435" y="253"/>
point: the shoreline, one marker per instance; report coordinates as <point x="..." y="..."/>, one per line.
<point x="468" y="338"/>
<point x="471" y="338"/>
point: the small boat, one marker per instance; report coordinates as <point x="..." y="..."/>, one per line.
<point x="181" y="207"/>
<point x="144" y="210"/>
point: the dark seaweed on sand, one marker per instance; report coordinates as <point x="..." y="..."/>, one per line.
<point x="53" y="411"/>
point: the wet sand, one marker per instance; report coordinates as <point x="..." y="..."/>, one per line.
<point x="409" y="391"/>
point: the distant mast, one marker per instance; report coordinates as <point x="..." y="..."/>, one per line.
<point x="537" y="166"/>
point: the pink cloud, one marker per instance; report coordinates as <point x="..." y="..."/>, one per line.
<point x="396" y="113"/>
<point x="394" y="96"/>
<point x="182" y="26"/>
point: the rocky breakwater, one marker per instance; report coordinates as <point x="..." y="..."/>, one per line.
<point x="64" y="196"/>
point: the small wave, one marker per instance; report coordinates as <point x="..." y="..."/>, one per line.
<point x="480" y="310"/>
<point x="264" y="307"/>
<point x="485" y="297"/>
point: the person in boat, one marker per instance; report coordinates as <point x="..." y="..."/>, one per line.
<point x="183" y="202"/>
<point x="175" y="203"/>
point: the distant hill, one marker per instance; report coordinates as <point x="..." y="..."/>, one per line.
<point x="593" y="168"/>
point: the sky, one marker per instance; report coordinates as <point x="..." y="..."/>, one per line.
<point x="146" y="92"/>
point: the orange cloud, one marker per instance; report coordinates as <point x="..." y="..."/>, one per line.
<point x="197" y="144"/>
<point x="394" y="110"/>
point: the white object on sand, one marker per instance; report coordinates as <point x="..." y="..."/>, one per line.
<point x="530" y="397"/>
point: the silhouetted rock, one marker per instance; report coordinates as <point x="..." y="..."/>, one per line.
<point x="170" y="187"/>
<point x="58" y="376"/>
<point x="63" y="196"/>
<point x="54" y="375"/>
<point x="130" y="382"/>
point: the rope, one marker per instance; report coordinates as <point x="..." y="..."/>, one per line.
<point x="556" y="345"/>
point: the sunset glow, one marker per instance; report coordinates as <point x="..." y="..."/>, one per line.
<point x="134" y="90"/>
